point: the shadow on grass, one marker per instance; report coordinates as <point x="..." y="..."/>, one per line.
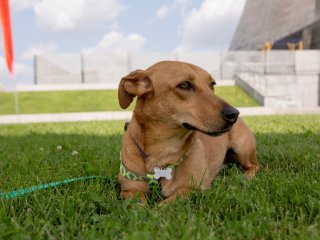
<point x="35" y="158"/>
<point x="283" y="194"/>
<point x="38" y="158"/>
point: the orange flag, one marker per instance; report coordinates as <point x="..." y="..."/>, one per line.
<point x="7" y="35"/>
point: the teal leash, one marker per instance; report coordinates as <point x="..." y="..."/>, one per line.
<point x="23" y="191"/>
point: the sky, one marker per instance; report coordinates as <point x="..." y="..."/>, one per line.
<point x="98" y="26"/>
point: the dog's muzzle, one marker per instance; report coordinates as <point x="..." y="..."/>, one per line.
<point x="230" y="114"/>
<point x="193" y="128"/>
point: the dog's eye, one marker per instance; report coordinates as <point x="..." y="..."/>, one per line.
<point x="186" y="86"/>
<point x="212" y="84"/>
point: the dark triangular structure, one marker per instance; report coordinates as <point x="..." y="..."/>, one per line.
<point x="279" y="22"/>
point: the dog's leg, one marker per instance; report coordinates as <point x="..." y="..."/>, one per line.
<point x="181" y="192"/>
<point x="136" y="195"/>
<point x="135" y="190"/>
<point x="243" y="145"/>
<point x="248" y="161"/>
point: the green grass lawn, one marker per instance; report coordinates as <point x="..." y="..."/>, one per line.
<point x="90" y="101"/>
<point x="282" y="202"/>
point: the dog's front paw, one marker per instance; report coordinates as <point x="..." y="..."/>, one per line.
<point x="135" y="197"/>
<point x="249" y="173"/>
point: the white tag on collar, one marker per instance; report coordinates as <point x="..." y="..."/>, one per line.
<point x="162" y="172"/>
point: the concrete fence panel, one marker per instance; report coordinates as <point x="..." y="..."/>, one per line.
<point x="143" y="60"/>
<point x="280" y="62"/>
<point x="307" y="62"/>
<point x="210" y="61"/>
<point x="58" y="69"/>
<point x="104" y="68"/>
<point x="110" y="67"/>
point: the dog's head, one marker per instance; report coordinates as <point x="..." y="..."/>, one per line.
<point x="179" y="94"/>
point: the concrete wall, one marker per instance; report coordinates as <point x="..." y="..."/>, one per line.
<point x="111" y="67"/>
<point x="58" y="69"/>
<point x="281" y="90"/>
<point x="307" y="62"/>
<point x="319" y="91"/>
<point x="275" y="78"/>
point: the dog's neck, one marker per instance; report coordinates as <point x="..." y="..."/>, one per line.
<point x="159" y="144"/>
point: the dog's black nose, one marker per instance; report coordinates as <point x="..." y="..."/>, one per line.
<point x="230" y="114"/>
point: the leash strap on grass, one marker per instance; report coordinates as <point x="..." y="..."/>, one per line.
<point x="23" y="191"/>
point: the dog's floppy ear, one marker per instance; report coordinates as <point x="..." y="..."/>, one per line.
<point x="135" y="84"/>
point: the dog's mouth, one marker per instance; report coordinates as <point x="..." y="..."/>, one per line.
<point x="215" y="134"/>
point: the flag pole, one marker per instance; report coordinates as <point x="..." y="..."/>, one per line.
<point x="16" y="93"/>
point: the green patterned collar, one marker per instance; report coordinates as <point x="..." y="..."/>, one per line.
<point x="150" y="178"/>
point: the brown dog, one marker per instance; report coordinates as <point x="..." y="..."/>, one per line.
<point x="180" y="131"/>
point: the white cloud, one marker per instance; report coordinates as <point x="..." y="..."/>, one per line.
<point x="76" y="15"/>
<point x="19" y="5"/>
<point x="110" y="56"/>
<point x="118" y="42"/>
<point x="3" y="66"/>
<point x="22" y="73"/>
<point x="165" y="10"/>
<point x="42" y="48"/>
<point x="1" y="44"/>
<point x="211" y="26"/>
<point x="21" y="70"/>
